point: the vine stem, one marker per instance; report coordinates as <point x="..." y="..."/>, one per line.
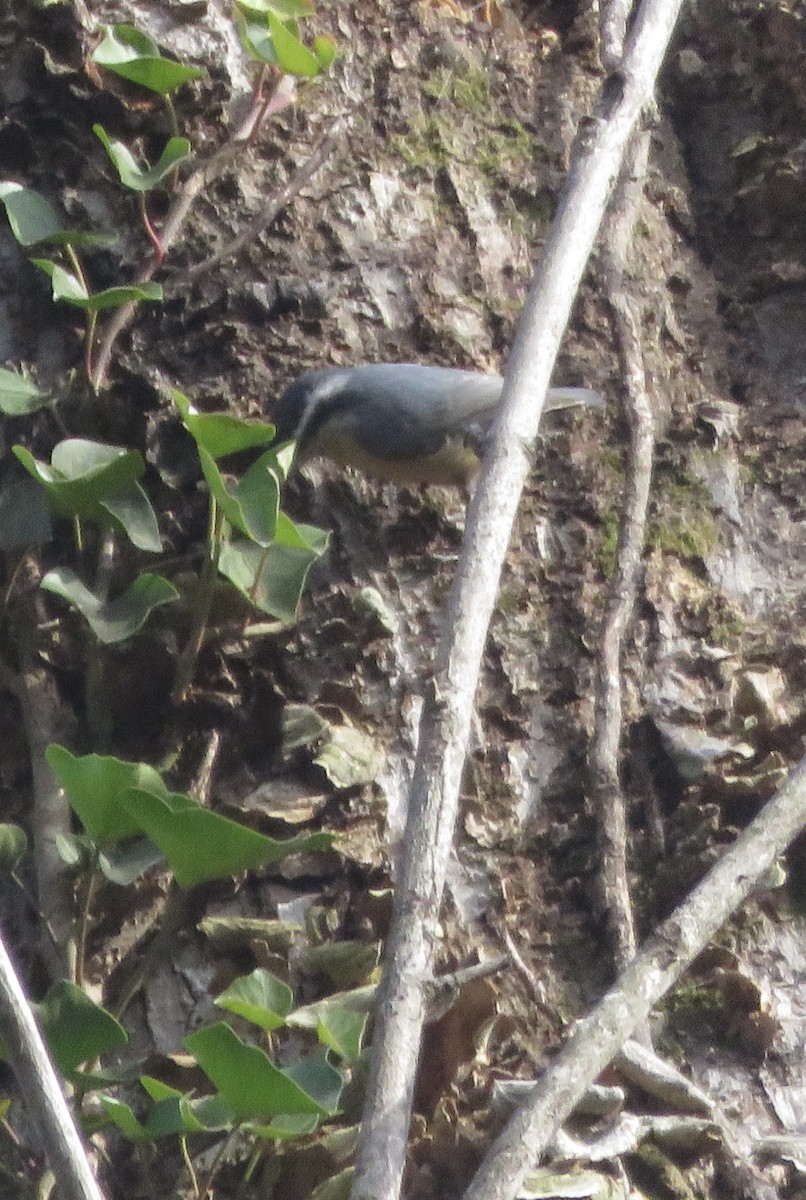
<point x="202" y="602"/>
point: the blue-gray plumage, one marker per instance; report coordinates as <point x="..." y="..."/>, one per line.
<point x="401" y="422"/>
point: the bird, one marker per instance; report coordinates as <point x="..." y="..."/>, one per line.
<point x="404" y="423"/>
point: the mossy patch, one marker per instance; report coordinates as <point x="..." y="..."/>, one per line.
<point x="684" y="523"/>
<point x="453" y="97"/>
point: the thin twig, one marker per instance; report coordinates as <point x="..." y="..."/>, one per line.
<point x="446" y="719"/>
<point x="40" y="1089"/>
<point x="202" y="603"/>
<point x="535" y="985"/>
<point x="656" y="967"/>
<point x="46" y="719"/>
<point x="275" y="204"/>
<point x="605" y="750"/>
<point x="196" y="182"/>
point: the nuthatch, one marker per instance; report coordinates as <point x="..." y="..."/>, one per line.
<point x="400" y="421"/>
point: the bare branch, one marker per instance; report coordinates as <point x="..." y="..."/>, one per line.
<point x="648" y="977"/>
<point x="46" y="719"/>
<point x="446" y="718"/>
<point x="40" y="1089"/>
<point x="613" y="18"/>
<point x="324" y="148"/>
<point x="196" y="182"/>
<point x="199" y="178"/>
<point x="605" y="750"/>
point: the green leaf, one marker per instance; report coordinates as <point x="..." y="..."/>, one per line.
<point x="204" y="1114"/>
<point x="69" y="287"/>
<point x="112" y="620"/>
<point x="319" y="1079"/>
<point x="273" y="579"/>
<point x="172" y="1114"/>
<point x="360" y="1000"/>
<point x="18" y="396"/>
<point x="285" y="1127"/>
<point x="115" y="296"/>
<point x="13" y="844"/>
<point x="81" y="238"/>
<point x="76" y="1028"/>
<point x="261" y="998"/>
<point x="336" y="1187"/>
<point x="124" y="864"/>
<point x="325" y="50"/>
<point x="95" y="482"/>
<point x="123" y="1116"/>
<point x="201" y="845"/>
<point x="293" y="56"/>
<point x="246" y="1078"/>
<point x="109" y="467"/>
<point x="252" y="503"/>
<point x="132" y="509"/>
<point x="177" y="149"/>
<point x="94" y="784"/>
<point x="221" y="434"/>
<point x="76" y="850"/>
<point x="255" y="38"/>
<point x="66" y="285"/>
<point x="32" y="218"/>
<point x="342" y="1030"/>
<point x="134" y="56"/>
<point x="24" y="515"/>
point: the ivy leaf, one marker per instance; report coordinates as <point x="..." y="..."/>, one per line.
<point x="112" y="620"/>
<point x="132" y="175"/>
<point x="273" y="579"/>
<point x="94" y="784"/>
<point x="221" y="434"/>
<point x="67" y="286"/>
<point x="134" y="56"/>
<point x="33" y="220"/>
<point x="18" y="396"/>
<point x="293" y="56"/>
<point x="251" y="1084"/>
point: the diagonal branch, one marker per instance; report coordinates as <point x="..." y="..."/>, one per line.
<point x="656" y="967"/>
<point x="203" y="174"/>
<point x="445" y="726"/>
<point x="205" y="171"/>
<point x="321" y="152"/>
<point x="41" y="1090"/>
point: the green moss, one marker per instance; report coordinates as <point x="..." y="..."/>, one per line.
<point x="685" y="525"/>
<point x="510" y="600"/>
<point x="608" y="550"/>
<point x="691" y="1002"/>
<point x="464" y="85"/>
<point x="505" y="145"/>
<point x="658" y="1176"/>
<point x="725" y="624"/>
<point x="422" y="146"/>
<point x="455" y="96"/>
<point x="611" y="461"/>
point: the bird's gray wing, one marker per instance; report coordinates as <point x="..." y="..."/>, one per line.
<point x="430" y="405"/>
